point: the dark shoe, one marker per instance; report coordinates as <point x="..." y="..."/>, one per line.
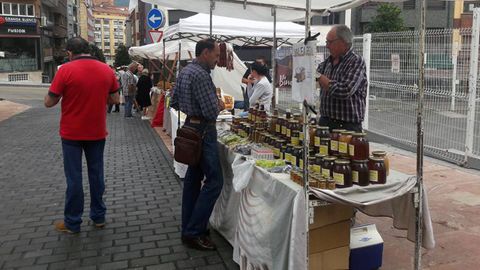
<point x="99" y="225"/>
<point x="199" y="243"/>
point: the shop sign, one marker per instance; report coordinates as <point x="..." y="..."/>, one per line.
<point x="17" y="30"/>
<point x="18" y="21"/>
<point x="10" y="25"/>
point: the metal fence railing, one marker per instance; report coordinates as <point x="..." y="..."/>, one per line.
<point x="394" y="75"/>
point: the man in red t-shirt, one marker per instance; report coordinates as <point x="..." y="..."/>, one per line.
<point x="85" y="85"/>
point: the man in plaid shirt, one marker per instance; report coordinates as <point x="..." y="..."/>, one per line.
<point x="343" y="82"/>
<point x="195" y="95"/>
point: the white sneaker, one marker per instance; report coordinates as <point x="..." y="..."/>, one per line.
<point x="145" y="118"/>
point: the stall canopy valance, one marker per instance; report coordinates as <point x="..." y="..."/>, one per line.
<point x="261" y="10"/>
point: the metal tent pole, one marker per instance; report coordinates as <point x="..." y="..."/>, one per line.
<point x="306" y="142"/>
<point x="419" y="185"/>
<point x="274" y="61"/>
<point x="212" y="7"/>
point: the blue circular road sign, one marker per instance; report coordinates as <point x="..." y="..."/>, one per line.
<point x="155" y="18"/>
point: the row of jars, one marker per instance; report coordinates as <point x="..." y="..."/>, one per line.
<point x="346" y="173"/>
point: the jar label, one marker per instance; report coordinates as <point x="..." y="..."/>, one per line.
<point x="355" y="176"/>
<point x="339" y="178"/>
<point x="289" y="132"/>
<point x="293" y="159"/>
<point x="324" y="150"/>
<point x="301" y="136"/>
<point x="373" y="176"/>
<point x="277" y="128"/>
<point x="284" y="130"/>
<point x="288" y="157"/>
<point x="301" y="163"/>
<point x="351" y="150"/>
<point x="334" y="145"/>
<point x="326" y="173"/>
<point x="317" y="141"/>
<point x="276" y="152"/>
<point x="317" y="168"/>
<point x="343" y="147"/>
<point x="295" y="141"/>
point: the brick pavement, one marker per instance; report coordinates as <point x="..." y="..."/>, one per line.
<point x="143" y="198"/>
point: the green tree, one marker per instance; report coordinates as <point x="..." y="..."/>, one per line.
<point x="121" y="56"/>
<point x="387" y="19"/>
<point x="96" y="52"/>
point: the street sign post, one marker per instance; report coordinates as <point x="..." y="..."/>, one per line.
<point x="155" y="18"/>
<point x="155" y="35"/>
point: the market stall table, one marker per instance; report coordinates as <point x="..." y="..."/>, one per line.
<point x="262" y="214"/>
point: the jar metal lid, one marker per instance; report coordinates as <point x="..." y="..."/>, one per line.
<point x="329" y="158"/>
<point x="347" y="132"/>
<point x="338" y="130"/>
<point x="322" y="127"/>
<point x="320" y="155"/>
<point x="360" y="161"/>
<point x="359" y="134"/>
<point x="379" y="153"/>
<point x="376" y="159"/>
<point x="342" y="161"/>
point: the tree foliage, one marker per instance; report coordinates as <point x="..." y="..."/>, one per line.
<point x="96" y="52"/>
<point x="121" y="56"/>
<point x="387" y="19"/>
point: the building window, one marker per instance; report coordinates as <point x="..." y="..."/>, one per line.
<point x="436" y="5"/>
<point x="410" y="4"/>
<point x="30" y="11"/>
<point x="6" y="9"/>
<point x="17" y="9"/>
<point x="22" y="9"/>
<point x="20" y="55"/>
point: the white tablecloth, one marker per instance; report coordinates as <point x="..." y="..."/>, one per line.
<point x="262" y="215"/>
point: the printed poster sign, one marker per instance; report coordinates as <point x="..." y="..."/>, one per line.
<point x="283" y="67"/>
<point x="303" y="79"/>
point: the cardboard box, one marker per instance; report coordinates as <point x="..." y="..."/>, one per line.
<point x="329" y="237"/>
<point x="331" y="259"/>
<point x="329" y="214"/>
<point x="366" y="248"/>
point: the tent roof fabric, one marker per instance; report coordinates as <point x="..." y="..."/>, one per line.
<point x="236" y="31"/>
<point x="287" y="10"/>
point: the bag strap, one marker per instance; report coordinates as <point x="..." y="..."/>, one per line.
<point x="178" y="118"/>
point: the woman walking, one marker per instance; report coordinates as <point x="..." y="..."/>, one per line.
<point x="143" y="95"/>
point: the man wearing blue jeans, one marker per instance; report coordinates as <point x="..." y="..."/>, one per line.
<point x="195" y="95"/>
<point x="83" y="128"/>
<point x="129" y="85"/>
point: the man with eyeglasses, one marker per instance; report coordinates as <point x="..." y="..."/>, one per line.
<point x="343" y="83"/>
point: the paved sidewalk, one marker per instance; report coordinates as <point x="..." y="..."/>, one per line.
<point x="143" y="198"/>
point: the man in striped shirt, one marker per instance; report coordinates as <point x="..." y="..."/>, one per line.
<point x="343" y="82"/>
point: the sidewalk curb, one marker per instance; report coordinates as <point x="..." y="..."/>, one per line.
<point x="43" y="85"/>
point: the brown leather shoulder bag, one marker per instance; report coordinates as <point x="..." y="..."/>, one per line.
<point x="188" y="146"/>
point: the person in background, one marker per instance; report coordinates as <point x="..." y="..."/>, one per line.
<point x="144" y="85"/>
<point x="117" y="106"/>
<point x="83" y="128"/>
<point x="343" y="82"/>
<point x="249" y="81"/>
<point x="129" y="86"/>
<point x="195" y="95"/>
<point x="262" y="89"/>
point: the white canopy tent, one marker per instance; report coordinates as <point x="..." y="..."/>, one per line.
<point x="233" y="30"/>
<point x="287" y="10"/>
<point x="291" y="10"/>
<point x="228" y="81"/>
